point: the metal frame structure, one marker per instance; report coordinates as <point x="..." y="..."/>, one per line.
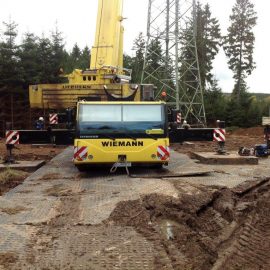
<point x="171" y="57"/>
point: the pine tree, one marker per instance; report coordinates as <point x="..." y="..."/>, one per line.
<point x="156" y="70"/>
<point x="44" y="56"/>
<point x="128" y="62"/>
<point x="215" y="102"/>
<point x="188" y="64"/>
<point x="138" y="60"/>
<point x="28" y="60"/>
<point x="75" y="56"/>
<point x="9" y="65"/>
<point x="84" y="60"/>
<point x="239" y="43"/>
<point x="58" y="55"/>
<point x="208" y="41"/>
<point x="254" y="112"/>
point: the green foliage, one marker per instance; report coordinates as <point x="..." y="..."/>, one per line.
<point x="231" y="128"/>
<point x="239" y="43"/>
<point x="136" y="63"/>
<point x="57" y="55"/>
<point x="246" y="113"/>
<point x="10" y="72"/>
<point x="84" y="59"/>
<point x="28" y="60"/>
<point x="128" y="62"/>
<point x="215" y="102"/>
<point x="72" y="59"/>
<point x="44" y="58"/>
<point x="36" y="59"/>
<point x="77" y="59"/>
<point x="208" y="40"/>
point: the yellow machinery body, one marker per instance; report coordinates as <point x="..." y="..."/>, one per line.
<point x="106" y="82"/>
<point x="106" y="67"/>
<point x="144" y="139"/>
<point x="102" y="151"/>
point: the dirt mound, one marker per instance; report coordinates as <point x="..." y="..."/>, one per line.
<point x="218" y="228"/>
<point x="253" y="131"/>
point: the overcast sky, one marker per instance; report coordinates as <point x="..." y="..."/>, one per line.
<point x="77" y="20"/>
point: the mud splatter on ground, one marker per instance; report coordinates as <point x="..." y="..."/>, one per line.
<point x="8" y="259"/>
<point x="13" y="210"/>
<point x="58" y="191"/>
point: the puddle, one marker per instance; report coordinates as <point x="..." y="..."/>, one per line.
<point x="168" y="228"/>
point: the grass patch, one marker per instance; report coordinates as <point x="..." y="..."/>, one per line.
<point x="10" y="179"/>
<point x="58" y="191"/>
<point x="51" y="176"/>
<point x="231" y="129"/>
<point x="10" y="175"/>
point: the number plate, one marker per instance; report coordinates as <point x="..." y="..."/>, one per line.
<point x="119" y="164"/>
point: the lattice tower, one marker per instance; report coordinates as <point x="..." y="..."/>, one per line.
<point x="171" y="57"/>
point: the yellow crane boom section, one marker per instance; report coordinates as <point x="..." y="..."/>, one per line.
<point x="108" y="46"/>
<point x="106" y="79"/>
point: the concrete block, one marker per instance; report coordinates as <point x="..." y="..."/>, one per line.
<point x="229" y="158"/>
<point x="28" y="166"/>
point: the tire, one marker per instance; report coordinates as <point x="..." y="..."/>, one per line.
<point x="81" y="168"/>
<point x="158" y="166"/>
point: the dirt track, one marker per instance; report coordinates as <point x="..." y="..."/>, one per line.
<point x="218" y="228"/>
<point x="61" y="219"/>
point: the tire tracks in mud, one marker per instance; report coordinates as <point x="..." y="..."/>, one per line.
<point x="248" y="247"/>
<point x="54" y="236"/>
<point x="218" y="228"/>
<point x="212" y="228"/>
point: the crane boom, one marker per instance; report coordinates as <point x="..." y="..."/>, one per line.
<point x="108" y="46"/>
<point x="106" y="79"/>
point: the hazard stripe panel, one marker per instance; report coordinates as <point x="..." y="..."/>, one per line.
<point x="163" y="152"/>
<point x="80" y="153"/>
<point x="179" y="118"/>
<point x="53" y="119"/>
<point x="219" y="135"/>
<point x="12" y="137"/>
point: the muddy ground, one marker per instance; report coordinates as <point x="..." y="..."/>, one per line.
<point x="216" y="228"/>
<point x="112" y="222"/>
<point x="29" y="152"/>
<point x="234" y="140"/>
<point x="9" y="179"/>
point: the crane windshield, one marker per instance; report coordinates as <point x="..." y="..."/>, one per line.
<point x="121" y="119"/>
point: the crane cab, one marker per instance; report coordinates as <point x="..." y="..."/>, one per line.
<point x="121" y="132"/>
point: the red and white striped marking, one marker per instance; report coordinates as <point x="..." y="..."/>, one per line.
<point x="80" y="153"/>
<point x="219" y="135"/>
<point x="178" y="118"/>
<point x="12" y="137"/>
<point x="53" y="117"/>
<point x="163" y="152"/>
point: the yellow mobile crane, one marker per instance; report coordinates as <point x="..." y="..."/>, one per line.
<point x="116" y="122"/>
<point x="106" y="79"/>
